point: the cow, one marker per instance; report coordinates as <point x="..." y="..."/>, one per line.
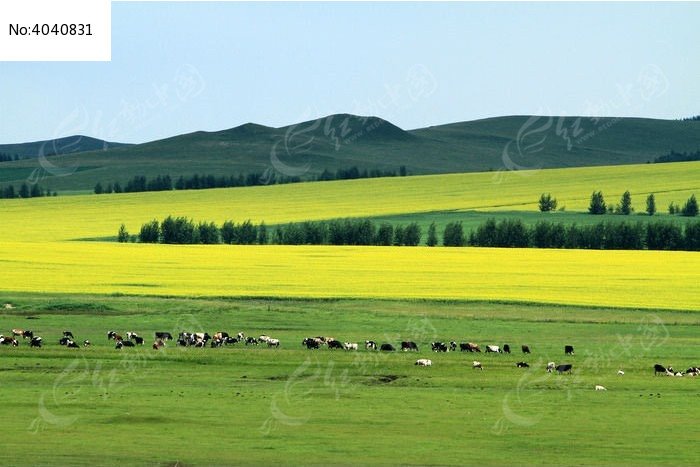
<point x="350" y="346"/>
<point x="220" y="335"/>
<point x="111" y="334"/>
<point x="522" y="365"/>
<point x="598" y="387"/>
<point x="160" y="343"/>
<point x="469" y="347"/>
<point x="138" y="340"/>
<point x="438" y="347"/>
<point x="370" y="345"/>
<point x="155" y="346"/>
<point x="23" y="334"/>
<point x="476" y="365"/>
<point x="64" y="340"/>
<point x="35" y="342"/>
<point x="130" y="335"/>
<point x="72" y="345"/>
<point x="387" y="348"/>
<point x="506" y="348"/>
<point x="334" y="344"/>
<point x="230" y="340"/>
<point x="408" y="345"/>
<point x="550" y="367"/>
<point x="659" y="369"/>
<point x="273" y="343"/>
<point x="568" y="350"/>
<point x="453" y="346"/>
<point x="127" y="343"/>
<point x="164" y="335"/>
<point x="251" y="341"/>
<point x="526" y="349"/>
<point x="423" y="362"/>
<point x="310" y="343"/>
<point x="216" y="343"/>
<point x="68" y="334"/>
<point x="564" y="368"/>
<point x="493" y="349"/>
<point x="620" y="372"/>
<point x="86" y="343"/>
<point x="9" y="341"/>
<point x="201" y="343"/>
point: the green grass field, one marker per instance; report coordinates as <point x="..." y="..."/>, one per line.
<point x="292" y="406"/>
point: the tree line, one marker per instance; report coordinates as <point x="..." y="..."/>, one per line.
<point x="601" y="236"/>
<point x="674" y="156"/>
<point x="598" y="206"/>
<point x="25" y="191"/>
<point x="7" y="157"/>
<point x="181" y="230"/>
<point x="508" y="233"/>
<point x="140" y="183"/>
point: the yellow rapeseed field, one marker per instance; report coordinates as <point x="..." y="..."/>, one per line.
<point x="90" y="216"/>
<point x="644" y="279"/>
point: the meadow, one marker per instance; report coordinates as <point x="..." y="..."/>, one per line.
<point x="253" y="406"/>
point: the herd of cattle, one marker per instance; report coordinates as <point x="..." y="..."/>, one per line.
<point x="221" y="338"/>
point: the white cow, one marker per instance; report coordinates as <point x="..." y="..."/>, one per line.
<point x="550" y="367"/>
<point x="600" y="388"/>
<point x="350" y="346"/>
<point x="476" y="364"/>
<point x="493" y="348"/>
<point x="620" y="372"/>
<point x="424" y="362"/>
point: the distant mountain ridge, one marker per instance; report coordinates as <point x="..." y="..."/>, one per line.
<point x="342" y="141"/>
<point x="66" y="145"/>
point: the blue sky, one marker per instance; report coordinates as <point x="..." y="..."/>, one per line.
<point x="181" y="67"/>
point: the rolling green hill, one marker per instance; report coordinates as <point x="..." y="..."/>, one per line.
<point x="343" y="141"/>
<point x="67" y="145"/>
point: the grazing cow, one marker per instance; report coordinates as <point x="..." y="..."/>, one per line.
<point x="387" y="348"/>
<point x="164" y="335"/>
<point x="506" y="348"/>
<point x="240" y="336"/>
<point x="476" y="365"/>
<point x="111" y="334"/>
<point x="568" y="350"/>
<point x="64" y="340"/>
<point x="68" y="334"/>
<point x="155" y="346"/>
<point x="469" y="347"/>
<point x="183" y="342"/>
<point x="221" y="335"/>
<point x="526" y="349"/>
<point x="424" y="362"/>
<point x="128" y="343"/>
<point x="564" y="368"/>
<point x="659" y="369"/>
<point x="201" y="343"/>
<point x="453" y="346"/>
<point x="138" y="340"/>
<point x="160" y="343"/>
<point x="35" y="342"/>
<point x="251" y="341"/>
<point x="692" y="371"/>
<point x="273" y="342"/>
<point x="310" y="343"/>
<point x="130" y="335"/>
<point x="72" y="345"/>
<point x="620" y="372"/>
<point x="86" y="343"/>
<point x="439" y="347"/>
<point x="9" y="341"/>
<point x="550" y="367"/>
<point x="493" y="349"/>
<point x="598" y="387"/>
<point x="408" y="345"/>
<point x="23" y="334"/>
<point x="351" y="346"/>
<point x="335" y="344"/>
<point x="216" y="343"/>
<point x="230" y="340"/>
<point x="370" y="345"/>
<point x="522" y="365"/>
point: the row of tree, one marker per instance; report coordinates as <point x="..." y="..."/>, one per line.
<point x="7" y="157"/>
<point x="601" y="236"/>
<point x="25" y="191"/>
<point x="674" y="156"/>
<point x="597" y="205"/>
<point x="181" y="230"/>
<point x="199" y="182"/>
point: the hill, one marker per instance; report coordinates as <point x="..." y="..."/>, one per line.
<point x="342" y="141"/>
<point x="58" y="146"/>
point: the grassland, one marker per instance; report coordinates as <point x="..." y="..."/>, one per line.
<point x="246" y="406"/>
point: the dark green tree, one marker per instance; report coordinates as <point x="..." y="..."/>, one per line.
<point x="651" y="204"/>
<point x="412" y="234"/>
<point x="123" y="235"/>
<point x="432" y="235"/>
<point x="228" y="232"/>
<point x="150" y="232"/>
<point x="690" y="208"/>
<point x="385" y="235"/>
<point x="454" y="234"/>
<point x="262" y="234"/>
<point x="98" y="188"/>
<point x="626" y="203"/>
<point x="597" y="205"/>
<point x="208" y="233"/>
<point x="547" y="203"/>
<point x="24" y="191"/>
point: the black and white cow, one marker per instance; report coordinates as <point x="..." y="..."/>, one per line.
<point x="164" y="335"/>
<point x="568" y="350"/>
<point x="35" y="342"/>
<point x="387" y="348"/>
<point x="493" y="349"/>
<point x="408" y="345"/>
<point x="334" y="344"/>
<point x="659" y="369"/>
<point x="453" y="346"/>
<point x="370" y="345"/>
<point x="439" y="347"/>
<point x="310" y="343"/>
<point x="522" y="365"/>
<point x="564" y="368"/>
<point x="68" y="334"/>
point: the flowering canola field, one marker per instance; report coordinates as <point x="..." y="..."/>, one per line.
<point x="41" y="251"/>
